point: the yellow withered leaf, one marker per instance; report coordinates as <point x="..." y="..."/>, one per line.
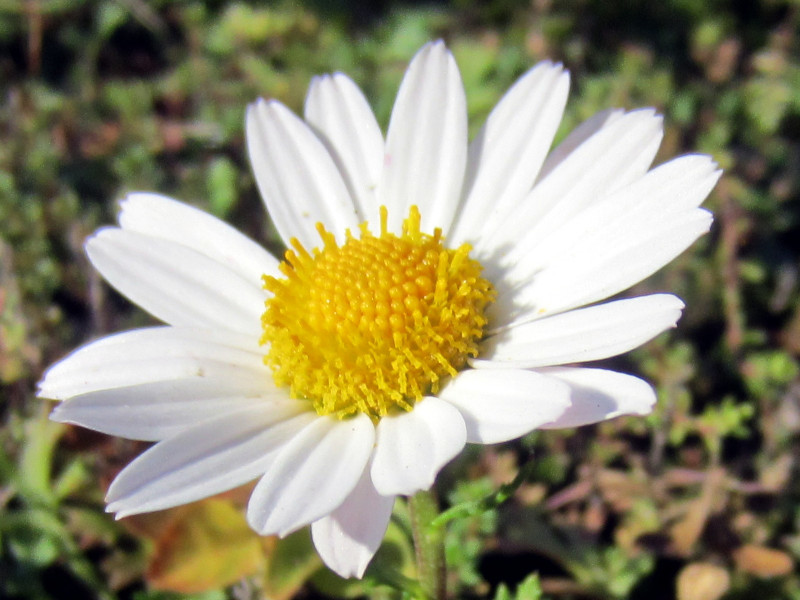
<point x="207" y="545"/>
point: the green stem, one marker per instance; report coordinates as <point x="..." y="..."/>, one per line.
<point x="389" y="576"/>
<point x="471" y="509"/>
<point x="428" y="545"/>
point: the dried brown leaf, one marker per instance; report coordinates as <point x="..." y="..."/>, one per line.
<point x="702" y="581"/>
<point x="762" y="561"/>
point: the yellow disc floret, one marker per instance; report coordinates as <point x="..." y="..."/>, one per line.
<point x="376" y="323"/>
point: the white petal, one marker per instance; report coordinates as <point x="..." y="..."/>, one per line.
<point x="296" y="175"/>
<point x="207" y="459"/>
<point x="652" y="207"/>
<point x="162" y="217"/>
<point x="506" y="155"/>
<point x="175" y="283"/>
<point x="631" y="139"/>
<point x="597" y="395"/>
<point x="348" y="538"/>
<point x="412" y="446"/>
<point x="669" y="190"/>
<point x="162" y="409"/>
<point x="339" y="113"/>
<point x="599" y="266"/>
<point x="617" y="154"/>
<point x="231" y="362"/>
<point x="581" y="335"/>
<point x="578" y="136"/>
<point x="503" y="405"/>
<point x="312" y="475"/>
<point x="426" y="145"/>
<point x="675" y="186"/>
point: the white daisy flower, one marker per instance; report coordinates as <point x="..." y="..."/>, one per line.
<point x="433" y="294"/>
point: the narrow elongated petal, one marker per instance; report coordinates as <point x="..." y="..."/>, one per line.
<point x="411" y="447"/>
<point x="662" y="203"/>
<point x="598" y="395"/>
<point x="614" y="156"/>
<point x="175" y="283"/>
<point x="426" y="145"/>
<point x="162" y="217"/>
<point x="348" y="538"/>
<point x="675" y="186"/>
<point x="296" y="176"/>
<point x="338" y="112"/>
<point x="581" y="335"/>
<point x="506" y="155"/>
<point x="577" y="137"/>
<point x="594" y="271"/>
<point x="230" y="362"/>
<point x="313" y="474"/>
<point x="498" y="406"/>
<point x="207" y="459"/>
<point x="668" y="191"/>
<point x="154" y="411"/>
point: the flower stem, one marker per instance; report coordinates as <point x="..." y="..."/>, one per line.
<point x="387" y="575"/>
<point x="428" y="545"/>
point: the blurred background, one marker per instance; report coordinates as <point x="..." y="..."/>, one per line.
<point x="699" y="501"/>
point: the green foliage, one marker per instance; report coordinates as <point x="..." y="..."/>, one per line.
<point x="612" y="572"/>
<point x="34" y="531"/>
<point x="222" y="179"/>
<point x="530" y="589"/>
<point x="162" y="595"/>
<point x="715" y="423"/>
<point x="465" y="537"/>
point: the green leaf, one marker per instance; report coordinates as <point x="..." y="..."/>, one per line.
<point x="292" y="562"/>
<point x="221" y="179"/>
<point x="530" y="589"/>
<point x="110" y="16"/>
<point x="35" y="536"/>
<point x="33" y="477"/>
<point x="503" y="593"/>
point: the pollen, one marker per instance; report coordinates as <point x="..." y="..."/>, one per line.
<point x="376" y="324"/>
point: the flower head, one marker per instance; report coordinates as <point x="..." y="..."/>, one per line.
<point x="432" y="294"/>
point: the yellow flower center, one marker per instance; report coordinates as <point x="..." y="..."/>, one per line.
<point x="376" y="323"/>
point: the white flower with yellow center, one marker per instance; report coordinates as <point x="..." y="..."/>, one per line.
<point x="431" y="291"/>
